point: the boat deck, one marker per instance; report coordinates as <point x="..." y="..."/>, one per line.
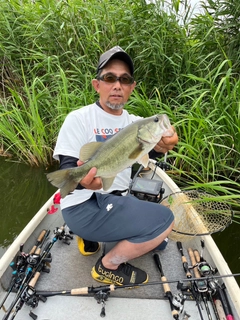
<point x="75" y="308"/>
<point x="70" y="270"/>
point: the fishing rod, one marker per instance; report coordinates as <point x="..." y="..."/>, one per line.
<point x="20" y="265"/>
<point x="189" y="276"/>
<point x="221" y="293"/>
<point x="101" y="293"/>
<point x="105" y="291"/>
<point x="184" y="261"/>
<point x="36" y="266"/>
<point x="201" y="286"/>
<point x="218" y="295"/>
<point x="27" y="291"/>
<point x="176" y="302"/>
<point x="28" y="297"/>
<point x="113" y="287"/>
<point x="206" y="269"/>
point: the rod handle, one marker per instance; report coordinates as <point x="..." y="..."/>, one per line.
<point x="220" y="311"/>
<point x="77" y="291"/>
<point x="39" y="240"/>
<point x="166" y="286"/>
<point x="34" y="280"/>
<point x="193" y="261"/>
<point x="197" y="256"/>
<point x="225" y="304"/>
<point x="86" y="290"/>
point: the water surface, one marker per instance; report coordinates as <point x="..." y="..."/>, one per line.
<point x="23" y="191"/>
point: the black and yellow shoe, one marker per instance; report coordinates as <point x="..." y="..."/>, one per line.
<point x="124" y="275"/>
<point x="87" y="248"/>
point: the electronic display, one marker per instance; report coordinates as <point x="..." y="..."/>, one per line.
<point x="147" y="186"/>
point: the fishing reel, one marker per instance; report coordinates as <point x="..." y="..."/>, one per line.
<point x="30" y="297"/>
<point x="147" y="189"/>
<point x="101" y="296"/>
<point x="213" y="286"/>
<point x="21" y="260"/>
<point x="33" y="259"/>
<point x="185" y="288"/>
<point x="205" y="269"/>
<point x="178" y="301"/>
<point x="63" y="235"/>
<point x="201" y="285"/>
<point x="163" y="165"/>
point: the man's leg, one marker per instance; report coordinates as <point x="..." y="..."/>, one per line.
<point x="112" y="268"/>
<point x="125" y="250"/>
<point x="110" y="218"/>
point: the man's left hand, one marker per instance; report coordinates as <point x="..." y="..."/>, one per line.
<point x="167" y="143"/>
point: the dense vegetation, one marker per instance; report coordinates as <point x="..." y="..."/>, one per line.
<point x="186" y="66"/>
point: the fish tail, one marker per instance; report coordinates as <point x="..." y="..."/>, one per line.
<point x="63" y="180"/>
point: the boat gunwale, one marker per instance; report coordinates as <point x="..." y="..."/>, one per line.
<point x="24" y="235"/>
<point x="222" y="266"/>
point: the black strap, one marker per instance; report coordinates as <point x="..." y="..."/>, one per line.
<point x="118" y="192"/>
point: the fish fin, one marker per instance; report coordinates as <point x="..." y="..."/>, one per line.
<point x="88" y="150"/>
<point x="63" y="180"/>
<point x="144" y="160"/>
<point x="107" y="182"/>
<point x="136" y="152"/>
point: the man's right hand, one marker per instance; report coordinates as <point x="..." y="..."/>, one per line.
<point x="90" y="181"/>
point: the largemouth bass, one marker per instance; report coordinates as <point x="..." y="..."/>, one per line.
<point x="131" y="144"/>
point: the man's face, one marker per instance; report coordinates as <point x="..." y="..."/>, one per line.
<point x="113" y="96"/>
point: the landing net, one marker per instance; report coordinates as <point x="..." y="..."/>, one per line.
<point x="196" y="214"/>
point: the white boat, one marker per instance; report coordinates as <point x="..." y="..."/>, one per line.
<point x="70" y="270"/>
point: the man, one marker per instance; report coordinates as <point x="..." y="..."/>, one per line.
<point x="98" y="216"/>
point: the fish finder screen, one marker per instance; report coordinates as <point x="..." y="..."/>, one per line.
<point x="147" y="186"/>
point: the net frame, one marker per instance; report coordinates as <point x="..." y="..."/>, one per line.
<point x="197" y="213"/>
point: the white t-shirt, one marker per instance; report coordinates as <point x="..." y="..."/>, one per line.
<point x="87" y="124"/>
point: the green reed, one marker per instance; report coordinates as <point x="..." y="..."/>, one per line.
<point x="183" y="67"/>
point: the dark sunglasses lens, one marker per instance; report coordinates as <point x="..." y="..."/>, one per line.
<point x="126" y="80"/>
<point x="110" y="78"/>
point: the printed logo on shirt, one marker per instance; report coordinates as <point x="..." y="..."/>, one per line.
<point x="105" y="133"/>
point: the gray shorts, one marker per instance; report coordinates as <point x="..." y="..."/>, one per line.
<point x="110" y="218"/>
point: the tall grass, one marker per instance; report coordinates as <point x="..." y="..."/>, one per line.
<point x="49" y="52"/>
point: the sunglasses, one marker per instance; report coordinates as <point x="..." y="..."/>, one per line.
<point x="111" y="78"/>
